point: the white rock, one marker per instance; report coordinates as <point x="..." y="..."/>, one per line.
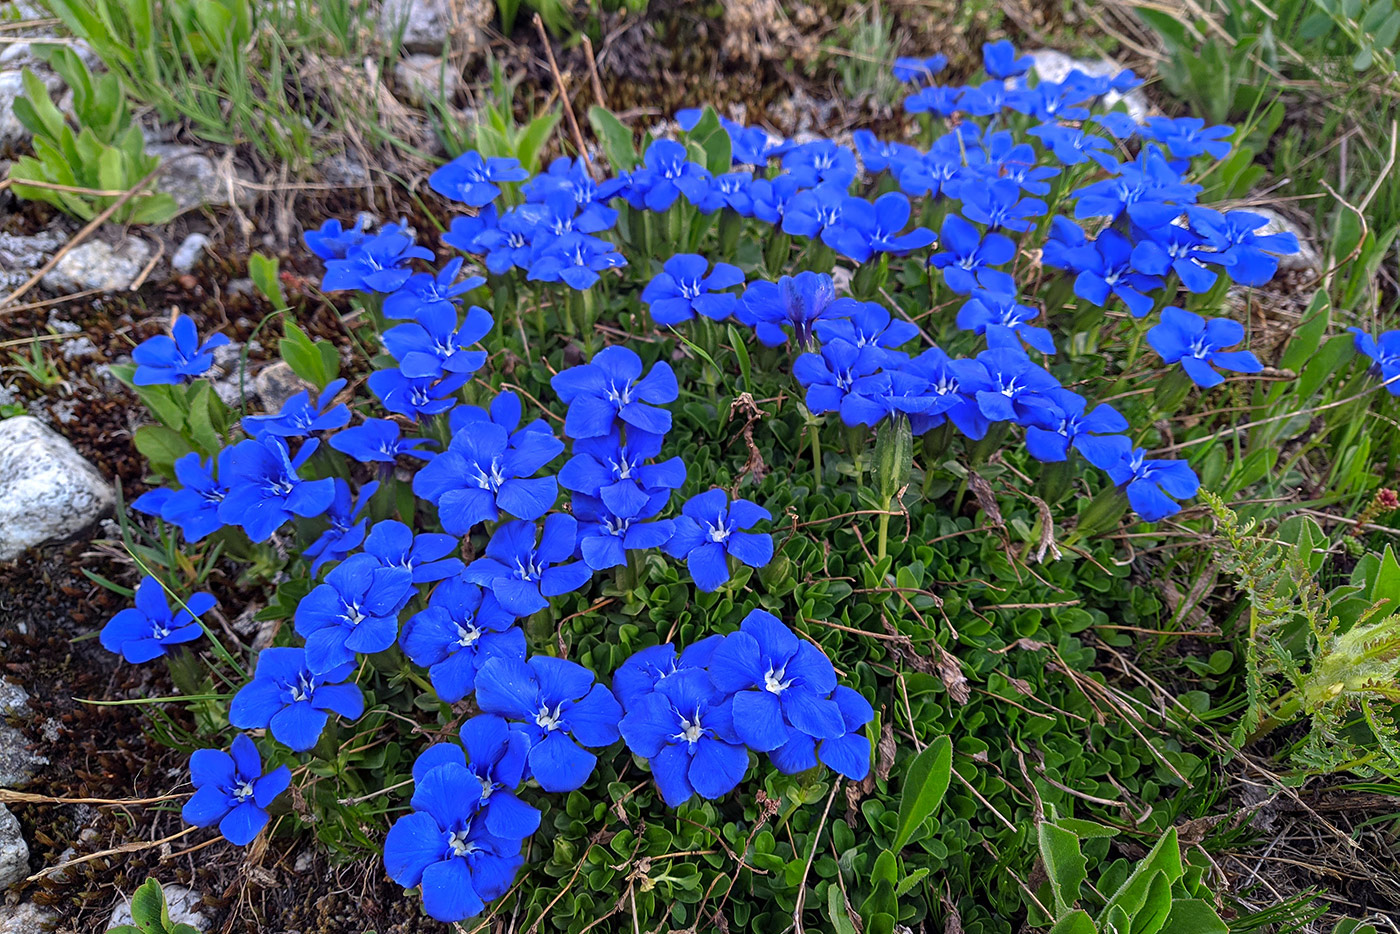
<point x="14" y="700"/>
<point x="425" y="78"/>
<point x="188" y="253"/>
<point x="276" y="383"/>
<point x="26" y="919"/>
<point x="425" y="25"/>
<point x="14" y="852"/>
<point x="184" y="905"/>
<point x="1054" y="66"/>
<point x="98" y="264"/>
<point x="17" y="764"/>
<point x="20" y="256"/>
<point x="47" y="490"/>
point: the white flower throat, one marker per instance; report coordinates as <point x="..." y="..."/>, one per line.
<point x="774" y="682"/>
<point x="546" y="719"/>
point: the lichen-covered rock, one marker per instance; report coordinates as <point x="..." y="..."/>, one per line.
<point x="48" y="491"/>
<point x="1307" y="259"/>
<point x="275" y="384"/>
<point x="98" y="264"/>
<point x="21" y="255"/>
<point x="18" y="765"/>
<point x="26" y="919"/>
<point x="422" y="78"/>
<point x="426" y="25"/>
<point x="14" y="852"/>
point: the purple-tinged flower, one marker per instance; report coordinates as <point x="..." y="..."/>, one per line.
<point x="523" y="574"/>
<point x="559" y="707"/>
<point x="149" y="629"/>
<point x="436" y="293"/>
<point x="265" y="490"/>
<point x="379" y="264"/>
<point x="685" y="730"/>
<point x="987" y="309"/>
<point x="473" y="180"/>
<point x="611" y="388"/>
<point x="377" y="440"/>
<point x="968" y="257"/>
<point x="299" y="418"/>
<point x="416" y="397"/>
<point x="1095" y="434"/>
<point x="424" y="555"/>
<point x="687" y="286"/>
<point x="865" y="229"/>
<point x="462" y="626"/>
<point x="346" y="530"/>
<point x="710" y="529"/>
<point x="487" y="470"/>
<point x="781" y="684"/>
<point x="355" y="612"/>
<point x="1198" y="345"/>
<point x="294" y="703"/>
<point x="232" y="791"/>
<point x="1151" y="484"/>
<point x="163" y="360"/>
<point x="798" y="302"/>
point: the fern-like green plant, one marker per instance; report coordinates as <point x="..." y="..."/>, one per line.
<point x="150" y="915"/>
<point x="105" y="153"/>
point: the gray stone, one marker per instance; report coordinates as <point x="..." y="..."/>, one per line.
<point x="48" y="491"/>
<point x="424" y="78"/>
<point x="1307" y="259"/>
<point x="343" y="169"/>
<point x="1055" y="66"/>
<point x="20" y="256"/>
<point x="14" y="700"/>
<point x="183" y="903"/>
<point x="98" y="264"/>
<point x="26" y="919"/>
<point x="18" y="765"/>
<point x="14" y="852"/>
<point x="189" y="252"/>
<point x="275" y="384"/>
<point x="425" y="25"/>
<point x="191" y="177"/>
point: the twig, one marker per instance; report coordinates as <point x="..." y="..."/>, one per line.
<point x="563" y="94"/>
<point x="598" y="96"/>
<point x="816" y="838"/>
<point x="124" y="848"/>
<point x="24" y="797"/>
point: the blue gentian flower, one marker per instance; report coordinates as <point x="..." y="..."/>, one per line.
<point x="1095" y="434"/>
<point x="938" y="100"/>
<point x="685" y="730"/>
<point x="1073" y="146"/>
<point x="232" y="791"/>
<point x="436" y="343"/>
<point x="798" y="302"/>
<point x="1234" y="244"/>
<point x="1384" y="354"/>
<point x="575" y="259"/>
<point x="866" y="229"/>
<point x="771" y="197"/>
<point x="952" y="385"/>
<point x="1198" y="345"/>
<point x="1187" y="137"/>
<point x="330" y="241"/>
<point x="1104" y="266"/>
<point x="617" y="472"/>
<point x="1170" y="248"/>
<point x="755" y="146"/>
<point x="470" y="233"/>
<point x="999" y="205"/>
<point x="473" y="180"/>
<point x="1017" y="387"/>
<point x="559" y="214"/>
<point x="1148" y="190"/>
<point x="443" y="848"/>
<point x="486" y="471"/>
<point x="298" y="417"/>
<point x="989" y="98"/>
<point x="988" y="309"/>
<point x="149" y="629"/>
<point x="646" y="668"/>
<point x="572" y="176"/>
<point x="1008" y="160"/>
<point x="424" y="555"/>
<point x="710" y="529"/>
<point x="606" y="535"/>
<point x="878" y="155"/>
<point x="611" y="388"/>
<point x="498" y="756"/>
<point x="918" y="70"/>
<point x="379" y="264"/>
<point x="524" y="575"/>
<point x="264" y="489"/>
<point x="505" y="411"/>
<point x="1120" y="125"/>
<point x="1151" y="484"/>
<point x="461" y="627"/>
<point x="848" y="754"/>
<point x="162" y="360"/>
<point x="829" y="376"/>
<point x="346" y="532"/>
<point x="821" y="160"/>
<point x="930" y="174"/>
<point x="968" y="256"/>
<point x="730" y="190"/>
<point x="666" y="168"/>
<point x="510" y="243"/>
<point x="559" y="707"/>
<point x="294" y="703"/>
<point x="870" y="325"/>
<point x="781" y="684"/>
<point x="355" y="612"/>
<point x="376" y="440"/>
<point x="416" y="397"/>
<point x="195" y="506"/>
<point x="683" y="289"/>
<point x="437" y="293"/>
<point x="1000" y="61"/>
<point x="876" y="397"/>
<point x="812" y="210"/>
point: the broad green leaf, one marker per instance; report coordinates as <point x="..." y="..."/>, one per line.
<point x="1155" y="908"/>
<point x="836" y="911"/>
<point x="263" y="271"/>
<point x="614" y="138"/>
<point x="1386" y="585"/>
<point x="1076" y="922"/>
<point x="1064" y="864"/>
<point x="1193" y="916"/>
<point x="1165" y="857"/>
<point x="162" y="447"/>
<point x="924" y="786"/>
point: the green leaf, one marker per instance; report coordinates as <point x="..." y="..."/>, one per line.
<point x="1165" y="858"/>
<point x="1064" y="864"/>
<point x="1193" y="916"/>
<point x="924" y="786"/>
<point x="836" y="911"/>
<point x="614" y="138"/>
<point x="713" y="140"/>
<point x="162" y="447"/>
<point x="741" y="351"/>
<point x="263" y="271"/>
<point x="306" y="359"/>
<point x="201" y="421"/>
<point x="1077" y="922"/>
<point x="148" y="909"/>
<point x="1157" y="906"/>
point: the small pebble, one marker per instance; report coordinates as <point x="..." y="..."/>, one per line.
<point x="189" y="253"/>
